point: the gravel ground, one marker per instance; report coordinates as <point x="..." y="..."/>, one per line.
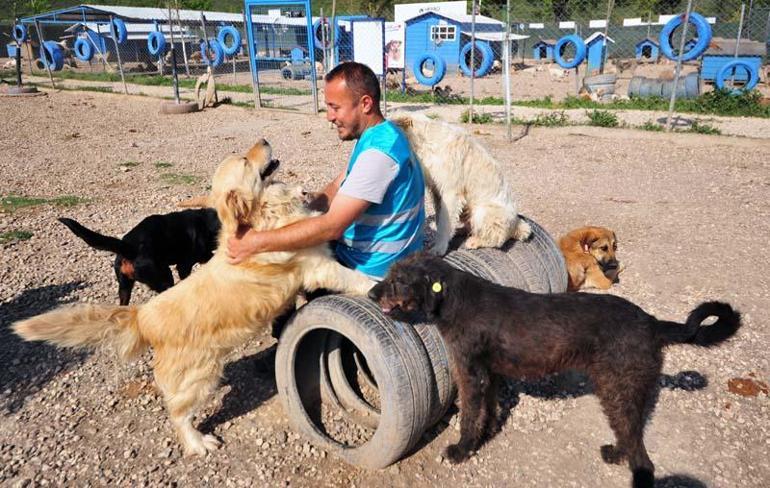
<point x="692" y="215"/>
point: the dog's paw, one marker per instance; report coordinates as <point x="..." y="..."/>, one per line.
<point x="455" y="454"/>
<point x="472" y="242"/>
<point x="523" y="230"/>
<point x="611" y="454"/>
<point x="201" y="444"/>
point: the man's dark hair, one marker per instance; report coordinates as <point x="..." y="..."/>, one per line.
<point x="359" y="78"/>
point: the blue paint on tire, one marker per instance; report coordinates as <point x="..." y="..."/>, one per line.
<point x="214" y="48"/>
<point x="19" y="33"/>
<point x="318" y="37"/>
<point x="702" y="28"/>
<point x="725" y="72"/>
<point x="230" y="33"/>
<point x="156" y="43"/>
<point x="52" y="56"/>
<point x="580" y="51"/>
<point x="487" y="58"/>
<point x="84" y="51"/>
<point x="439" y="69"/>
<point x="119" y="30"/>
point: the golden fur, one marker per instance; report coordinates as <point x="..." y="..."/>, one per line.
<point x="463" y="178"/>
<point x="194" y="325"/>
<point x="590" y="256"/>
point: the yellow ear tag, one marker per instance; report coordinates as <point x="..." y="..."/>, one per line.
<point x="437" y="287"/>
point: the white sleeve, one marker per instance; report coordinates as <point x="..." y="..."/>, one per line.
<point x="372" y="174"/>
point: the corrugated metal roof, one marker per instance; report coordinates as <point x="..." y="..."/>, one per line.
<point x="496" y="36"/>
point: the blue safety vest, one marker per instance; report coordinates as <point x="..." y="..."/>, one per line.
<point x="393" y="229"/>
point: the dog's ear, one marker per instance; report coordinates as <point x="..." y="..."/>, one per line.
<point x="269" y="168"/>
<point x="233" y="209"/>
<point x="403" y="122"/>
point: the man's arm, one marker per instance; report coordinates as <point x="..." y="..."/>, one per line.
<point x="322" y="199"/>
<point x="305" y="233"/>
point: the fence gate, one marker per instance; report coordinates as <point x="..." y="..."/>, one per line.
<point x="282" y="52"/>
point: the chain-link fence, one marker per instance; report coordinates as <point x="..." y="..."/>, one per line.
<point x="436" y="53"/>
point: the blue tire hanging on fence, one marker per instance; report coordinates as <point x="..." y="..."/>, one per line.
<point x="318" y="38"/>
<point x="216" y="50"/>
<point x="119" y="30"/>
<point x="487" y="58"/>
<point x="439" y="69"/>
<point x="51" y="54"/>
<point x="580" y="51"/>
<point x="722" y="75"/>
<point x="19" y="33"/>
<point x="156" y="43"/>
<point x="702" y="28"/>
<point x="84" y="51"/>
<point x="229" y="32"/>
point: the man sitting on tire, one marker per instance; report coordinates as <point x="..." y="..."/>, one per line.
<point x="374" y="211"/>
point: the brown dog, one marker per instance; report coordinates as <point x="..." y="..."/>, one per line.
<point x="590" y="256"/>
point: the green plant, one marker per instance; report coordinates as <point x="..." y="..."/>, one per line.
<point x="651" y="126"/>
<point x="179" y="178"/>
<point x="700" y="128"/>
<point x="11" y="203"/>
<point x="478" y="118"/>
<point x="602" y="118"/>
<point x="163" y="164"/>
<point x="14" y="235"/>
<point x="551" y="119"/>
<point x="129" y="164"/>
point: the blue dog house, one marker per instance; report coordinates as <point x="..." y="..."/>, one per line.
<point x="722" y="51"/>
<point x="444" y="35"/>
<point x="596" y="46"/>
<point x="647" y="50"/>
<point x="542" y="50"/>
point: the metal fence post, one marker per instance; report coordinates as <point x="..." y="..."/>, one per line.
<point x="43" y="52"/>
<point x="114" y="35"/>
<point x="507" y="68"/>
<point x="678" y="70"/>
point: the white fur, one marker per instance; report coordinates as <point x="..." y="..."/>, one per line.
<point x="463" y="177"/>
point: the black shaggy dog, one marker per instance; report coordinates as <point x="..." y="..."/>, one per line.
<point x="494" y="331"/>
<point x="157" y="242"/>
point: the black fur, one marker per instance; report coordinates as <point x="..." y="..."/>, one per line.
<point x="157" y="242"/>
<point x="494" y="331"/>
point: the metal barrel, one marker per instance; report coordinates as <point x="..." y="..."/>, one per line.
<point x="688" y="87"/>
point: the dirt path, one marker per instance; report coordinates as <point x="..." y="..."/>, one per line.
<point x="692" y="214"/>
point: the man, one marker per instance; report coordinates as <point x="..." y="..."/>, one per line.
<point x="375" y="206"/>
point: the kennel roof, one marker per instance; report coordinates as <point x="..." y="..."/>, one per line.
<point x="101" y="14"/>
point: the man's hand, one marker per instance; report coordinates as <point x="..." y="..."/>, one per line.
<point x="242" y="245"/>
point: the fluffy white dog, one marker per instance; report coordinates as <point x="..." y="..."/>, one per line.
<point x="465" y="180"/>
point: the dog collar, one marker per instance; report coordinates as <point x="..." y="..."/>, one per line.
<point x="436" y="287"/>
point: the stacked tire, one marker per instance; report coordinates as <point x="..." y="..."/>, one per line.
<point x="339" y="349"/>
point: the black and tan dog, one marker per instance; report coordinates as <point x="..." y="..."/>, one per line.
<point x="157" y="242"/>
<point x="493" y="332"/>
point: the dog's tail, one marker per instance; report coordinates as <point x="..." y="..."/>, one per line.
<point x="87" y="326"/>
<point x="692" y="332"/>
<point x="521" y="230"/>
<point x="99" y="241"/>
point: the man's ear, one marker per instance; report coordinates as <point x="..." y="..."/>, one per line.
<point x="367" y="104"/>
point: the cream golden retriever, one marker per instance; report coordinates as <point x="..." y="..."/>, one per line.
<point x="193" y="326"/>
<point x="464" y="179"/>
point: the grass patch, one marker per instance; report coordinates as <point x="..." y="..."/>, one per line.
<point x="651" y="126"/>
<point x="553" y="119"/>
<point x="699" y="128"/>
<point x="602" y="118"/>
<point x="179" y="178"/>
<point x="129" y="164"/>
<point x="14" y="235"/>
<point x="477" y="118"/>
<point x="11" y="203"/>
<point x="163" y="164"/>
